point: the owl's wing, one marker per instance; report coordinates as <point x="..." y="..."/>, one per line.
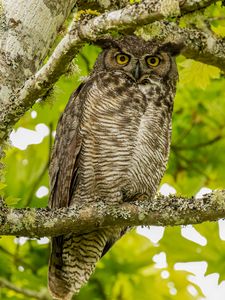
<point x="65" y="155"/>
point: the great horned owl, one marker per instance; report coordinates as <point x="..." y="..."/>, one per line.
<point x="112" y="144"/>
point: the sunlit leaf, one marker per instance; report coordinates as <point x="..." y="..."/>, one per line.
<point x="197" y="74"/>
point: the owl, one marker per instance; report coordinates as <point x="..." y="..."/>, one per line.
<point x="112" y="145"/>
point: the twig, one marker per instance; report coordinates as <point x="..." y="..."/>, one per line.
<point x="177" y="147"/>
<point x="18" y="260"/>
<point x="86" y="61"/>
<point x="26" y="292"/>
<point x="183" y="135"/>
<point x="190" y="164"/>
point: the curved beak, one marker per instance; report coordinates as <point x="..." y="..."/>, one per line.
<point x="137" y="71"/>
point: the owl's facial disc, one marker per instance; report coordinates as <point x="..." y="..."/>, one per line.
<point x="139" y="67"/>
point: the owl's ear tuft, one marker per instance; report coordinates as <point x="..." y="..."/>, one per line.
<point x="174" y="48"/>
<point x="106" y="43"/>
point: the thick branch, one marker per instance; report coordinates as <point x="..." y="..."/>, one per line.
<point x="190" y="5"/>
<point x="198" y="45"/>
<point x="27" y="30"/>
<point x="129" y="17"/>
<point x="162" y="210"/>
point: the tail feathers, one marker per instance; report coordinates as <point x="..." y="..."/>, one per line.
<point x="73" y="260"/>
<point x="58" y="287"/>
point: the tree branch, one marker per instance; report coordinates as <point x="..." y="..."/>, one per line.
<point x="27" y="30"/>
<point x="29" y="293"/>
<point x="197" y="45"/>
<point x="178" y="147"/>
<point x="200" y="46"/>
<point x="162" y="210"/>
<point x="116" y="4"/>
<point x="17" y="260"/>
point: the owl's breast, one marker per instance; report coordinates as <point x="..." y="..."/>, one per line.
<point x="125" y="139"/>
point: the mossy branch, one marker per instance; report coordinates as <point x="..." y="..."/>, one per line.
<point x="164" y="211"/>
<point x="116" y="4"/>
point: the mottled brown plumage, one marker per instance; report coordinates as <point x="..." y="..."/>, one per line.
<point x="112" y="144"/>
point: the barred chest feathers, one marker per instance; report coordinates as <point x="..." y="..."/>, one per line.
<point x="126" y="133"/>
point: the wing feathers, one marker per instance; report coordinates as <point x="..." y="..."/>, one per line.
<point x="63" y="167"/>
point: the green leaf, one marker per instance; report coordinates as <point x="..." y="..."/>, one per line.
<point x="2" y="185"/>
<point x="220" y="30"/>
<point x="10" y="200"/>
<point x="197" y="74"/>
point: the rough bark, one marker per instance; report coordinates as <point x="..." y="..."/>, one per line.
<point x="27" y="30"/>
<point x="198" y="45"/>
<point x="116" y="4"/>
<point x="171" y="210"/>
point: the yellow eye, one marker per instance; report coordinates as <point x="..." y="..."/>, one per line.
<point x="122" y="59"/>
<point x="153" y="61"/>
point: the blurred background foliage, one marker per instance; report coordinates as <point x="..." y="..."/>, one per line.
<point x="136" y="267"/>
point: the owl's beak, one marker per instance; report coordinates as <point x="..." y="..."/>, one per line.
<point x="137" y="71"/>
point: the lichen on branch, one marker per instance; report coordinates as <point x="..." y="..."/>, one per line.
<point x="197" y="44"/>
<point x="171" y="210"/>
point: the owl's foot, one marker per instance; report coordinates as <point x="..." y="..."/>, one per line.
<point x="137" y="197"/>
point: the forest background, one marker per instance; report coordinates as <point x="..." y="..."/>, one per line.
<point x="148" y="263"/>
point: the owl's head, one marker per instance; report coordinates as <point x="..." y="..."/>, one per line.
<point x="140" y="60"/>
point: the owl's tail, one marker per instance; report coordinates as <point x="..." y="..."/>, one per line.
<point x="73" y="259"/>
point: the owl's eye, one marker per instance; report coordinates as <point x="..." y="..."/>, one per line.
<point x="122" y="59"/>
<point x="153" y="61"/>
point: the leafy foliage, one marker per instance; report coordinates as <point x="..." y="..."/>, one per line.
<point x="197" y="159"/>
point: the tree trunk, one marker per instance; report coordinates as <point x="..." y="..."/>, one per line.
<point x="27" y="31"/>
